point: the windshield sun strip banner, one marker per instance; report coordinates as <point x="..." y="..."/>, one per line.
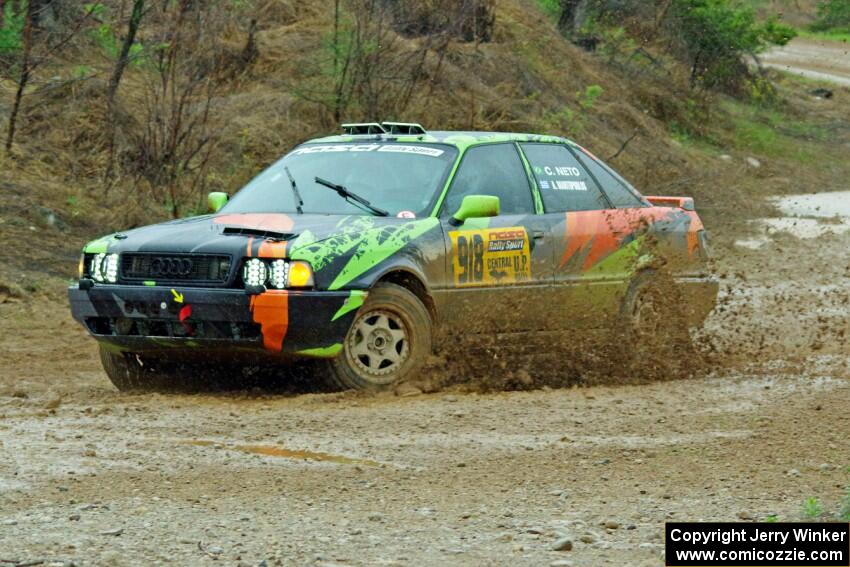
<point x="389" y="148"/>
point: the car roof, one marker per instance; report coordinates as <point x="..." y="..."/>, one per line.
<point x="460" y="139"/>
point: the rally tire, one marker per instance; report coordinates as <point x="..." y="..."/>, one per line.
<point x="389" y="341"/>
<point x="656" y="335"/>
<point x="125" y="374"/>
<point x="131" y="373"/>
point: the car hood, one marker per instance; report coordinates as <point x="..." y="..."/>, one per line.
<point x="234" y="233"/>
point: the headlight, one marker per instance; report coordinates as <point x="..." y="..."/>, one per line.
<point x="278" y="274"/>
<point x="104" y="268"/>
<point x="255" y="272"/>
<point x="94" y="269"/>
<point x="110" y="271"/>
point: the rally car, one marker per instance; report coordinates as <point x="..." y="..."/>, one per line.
<point x="362" y="248"/>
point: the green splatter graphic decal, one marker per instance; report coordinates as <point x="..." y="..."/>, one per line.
<point x="98" y="246"/>
<point x="371" y="244"/>
<point x="320" y="254"/>
<point x="378" y="244"/>
<point x="322" y="352"/>
<point x="355" y="300"/>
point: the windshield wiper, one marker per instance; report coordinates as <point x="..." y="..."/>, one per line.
<point x="352" y="198"/>
<point x="299" y="202"/>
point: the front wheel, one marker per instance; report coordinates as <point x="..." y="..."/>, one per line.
<point x="134" y="373"/>
<point x="125" y="371"/>
<point x="389" y="341"/>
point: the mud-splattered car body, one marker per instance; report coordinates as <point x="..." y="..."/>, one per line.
<point x="179" y="285"/>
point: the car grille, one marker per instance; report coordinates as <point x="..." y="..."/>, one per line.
<point x="197" y="269"/>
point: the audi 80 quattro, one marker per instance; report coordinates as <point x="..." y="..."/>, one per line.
<point x="361" y="248"/>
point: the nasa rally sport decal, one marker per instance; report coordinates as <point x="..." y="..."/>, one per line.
<point x="353" y="148"/>
<point x="491" y="256"/>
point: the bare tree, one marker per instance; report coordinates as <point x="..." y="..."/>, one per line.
<point x="121" y="63"/>
<point x="124" y="56"/>
<point x="23" y="76"/>
<point x="37" y="48"/>
<point x="170" y="154"/>
<point x="370" y="72"/>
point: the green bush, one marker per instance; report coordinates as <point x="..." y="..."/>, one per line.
<point x="12" y="25"/>
<point x="715" y="37"/>
<point x="833" y="15"/>
<point x="812" y="508"/>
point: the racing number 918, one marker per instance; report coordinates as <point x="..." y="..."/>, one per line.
<point x="471" y="261"/>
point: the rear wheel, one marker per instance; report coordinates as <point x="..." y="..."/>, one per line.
<point x="657" y="337"/>
<point x="389" y="341"/>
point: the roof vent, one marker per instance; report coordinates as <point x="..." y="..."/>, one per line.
<point x="403" y="128"/>
<point x="361" y="128"/>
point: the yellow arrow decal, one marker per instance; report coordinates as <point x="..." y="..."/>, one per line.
<point x="178" y="297"/>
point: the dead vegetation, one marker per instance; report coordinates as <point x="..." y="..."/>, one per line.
<point x="115" y="132"/>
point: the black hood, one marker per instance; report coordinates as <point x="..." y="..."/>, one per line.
<point x="230" y="233"/>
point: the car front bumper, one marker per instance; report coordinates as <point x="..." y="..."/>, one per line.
<point x="145" y="319"/>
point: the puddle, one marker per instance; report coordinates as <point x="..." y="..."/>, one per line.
<point x="831" y="204"/>
<point x="282" y="452"/>
<point x="807" y="216"/>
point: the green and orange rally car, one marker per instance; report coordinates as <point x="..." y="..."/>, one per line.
<point x="361" y="248"/>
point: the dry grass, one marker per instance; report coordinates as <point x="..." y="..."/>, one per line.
<point x="527" y="79"/>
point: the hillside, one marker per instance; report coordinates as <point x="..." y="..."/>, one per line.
<point x="628" y="100"/>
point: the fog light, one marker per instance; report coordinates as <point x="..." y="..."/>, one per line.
<point x="279" y="273"/>
<point x="255" y="272"/>
<point x="300" y="275"/>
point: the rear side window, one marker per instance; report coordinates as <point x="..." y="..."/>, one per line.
<point x="615" y="188"/>
<point x="564" y="183"/>
<point x="491" y="170"/>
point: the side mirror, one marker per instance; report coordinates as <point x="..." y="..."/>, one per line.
<point x="475" y="206"/>
<point x="216" y="200"/>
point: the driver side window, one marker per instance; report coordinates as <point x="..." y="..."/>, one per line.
<point x="491" y="170"/>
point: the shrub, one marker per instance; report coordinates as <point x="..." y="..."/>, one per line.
<point x="11" y="26"/>
<point x="812" y="508"/>
<point x="833" y="15"/>
<point x="715" y="37"/>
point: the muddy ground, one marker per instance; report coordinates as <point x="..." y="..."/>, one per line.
<point x="92" y="477"/>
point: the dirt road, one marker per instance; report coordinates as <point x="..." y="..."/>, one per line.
<point x="92" y="477"/>
<point x="814" y="59"/>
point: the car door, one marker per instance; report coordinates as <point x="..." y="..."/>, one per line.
<point x="499" y="269"/>
<point x="596" y="244"/>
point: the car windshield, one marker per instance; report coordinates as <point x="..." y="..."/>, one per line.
<point x="400" y="178"/>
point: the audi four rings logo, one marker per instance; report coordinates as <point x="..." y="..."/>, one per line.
<point x="171" y="267"/>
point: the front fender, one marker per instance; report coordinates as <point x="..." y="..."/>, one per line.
<point x="363" y="251"/>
